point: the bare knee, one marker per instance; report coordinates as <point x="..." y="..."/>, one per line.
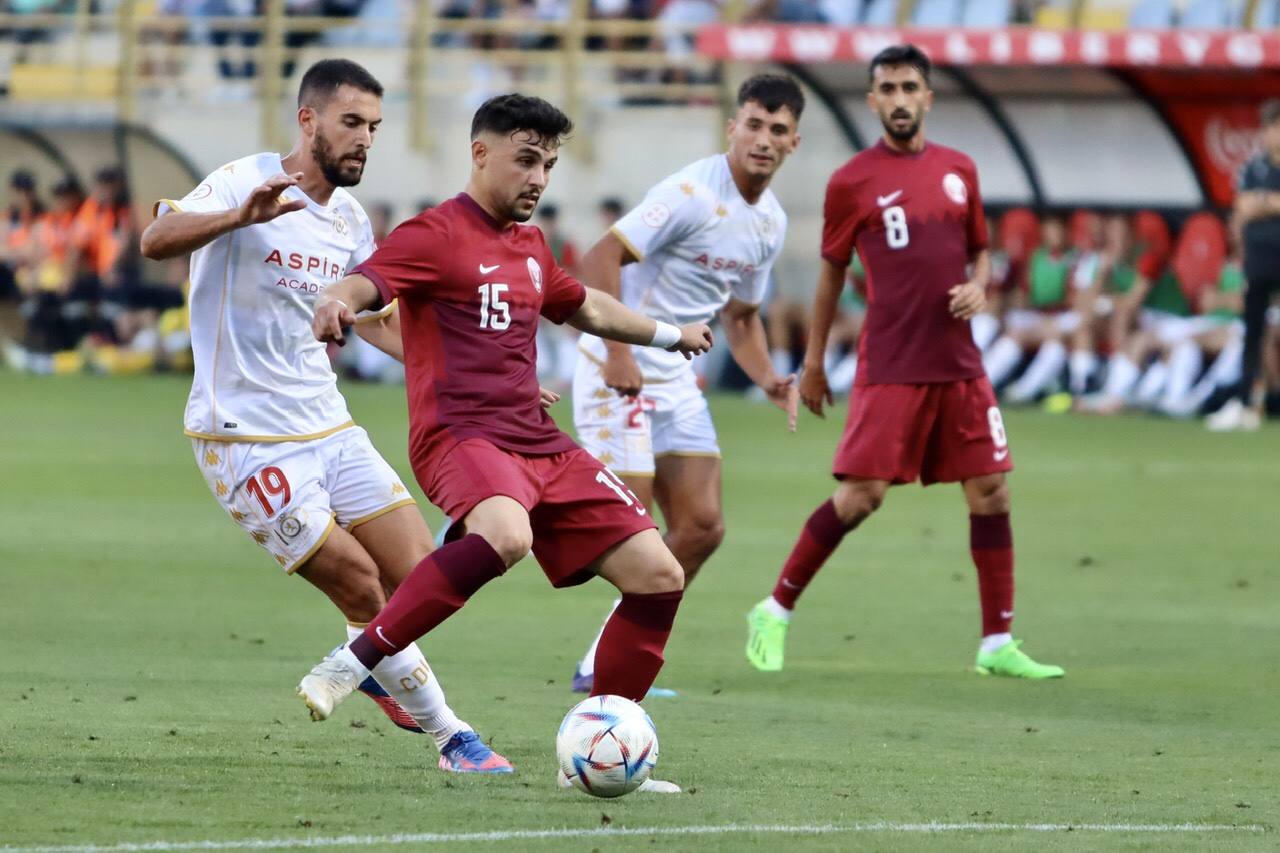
<point x="512" y="542"/>
<point x="854" y="503"/>
<point x="663" y="575"/>
<point x="700" y="533"/>
<point x="988" y="496"/>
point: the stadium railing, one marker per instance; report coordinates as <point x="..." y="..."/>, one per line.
<point x="89" y="54"/>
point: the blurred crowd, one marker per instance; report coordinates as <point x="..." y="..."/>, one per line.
<point x="71" y="279"/>
<point x="1088" y="311"/>
<point x="1093" y="312"/>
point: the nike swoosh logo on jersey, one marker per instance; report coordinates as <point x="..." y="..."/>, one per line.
<point x="999" y="455"/>
<point x="486" y="270"/>
<point x="886" y="200"/>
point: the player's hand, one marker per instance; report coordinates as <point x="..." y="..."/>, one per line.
<point x="784" y="394"/>
<point x="814" y="390"/>
<point x="695" y="339"/>
<point x="966" y="300"/>
<point x="331" y="321"/>
<point x="264" y="202"/>
<point x="621" y="373"/>
<point x="547" y="397"/>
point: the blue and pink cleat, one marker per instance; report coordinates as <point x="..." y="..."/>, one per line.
<point x="464" y="753"/>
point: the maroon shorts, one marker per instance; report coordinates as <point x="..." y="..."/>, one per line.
<point x="578" y="509"/>
<point x="940" y="432"/>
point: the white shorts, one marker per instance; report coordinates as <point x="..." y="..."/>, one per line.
<point x="1171" y="329"/>
<point x="288" y="495"/>
<point x="1024" y="319"/>
<point x="668" y="418"/>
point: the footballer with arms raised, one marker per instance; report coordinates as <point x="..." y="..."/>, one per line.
<point x="271" y="432"/>
<point x="921" y="406"/>
<point x="471" y="282"/>
<point x="702" y="242"/>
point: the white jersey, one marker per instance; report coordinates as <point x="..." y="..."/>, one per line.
<point x="260" y="374"/>
<point x="699" y="243"/>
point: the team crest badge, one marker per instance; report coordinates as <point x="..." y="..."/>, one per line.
<point x="535" y="275"/>
<point x="657" y="214"/>
<point x="953" y="186"/>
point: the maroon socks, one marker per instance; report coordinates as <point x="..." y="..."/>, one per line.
<point x="435" y="590"/>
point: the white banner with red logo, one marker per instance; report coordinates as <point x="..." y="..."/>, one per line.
<point x="1012" y="46"/>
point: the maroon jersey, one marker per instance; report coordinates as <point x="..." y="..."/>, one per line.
<point x="916" y="220"/>
<point x="470" y="294"/>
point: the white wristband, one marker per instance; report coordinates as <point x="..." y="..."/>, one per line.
<point x="665" y="335"/>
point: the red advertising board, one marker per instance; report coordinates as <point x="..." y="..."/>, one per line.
<point x="1222" y="49"/>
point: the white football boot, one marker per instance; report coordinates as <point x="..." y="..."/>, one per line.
<point x="330" y="681"/>
<point x="1234" y="416"/>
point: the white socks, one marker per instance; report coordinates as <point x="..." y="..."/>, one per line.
<point x="771" y="604"/>
<point x="587" y="666"/>
<point x="1001" y="360"/>
<point x="1184" y="368"/>
<point x="985" y="327"/>
<point x="1082" y="365"/>
<point x="840" y="377"/>
<point x="1121" y="376"/>
<point x="411" y="682"/>
<point x="1152" y="383"/>
<point x="993" y="642"/>
<point x="1043" y="370"/>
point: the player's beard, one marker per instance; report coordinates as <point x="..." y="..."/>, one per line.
<point x="905" y="135"/>
<point x="518" y="213"/>
<point x="336" y="171"/>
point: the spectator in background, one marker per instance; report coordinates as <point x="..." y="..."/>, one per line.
<point x="610" y="211"/>
<point x="1042" y="319"/>
<point x="678" y="20"/>
<point x="1256" y="219"/>
<point x="380" y="220"/>
<point x="562" y="248"/>
<point x="51" y="284"/>
<point x="1149" y="310"/>
<point x="789" y="11"/>
<point x="1216" y="330"/>
<point x="18" y="234"/>
<point x="233" y="64"/>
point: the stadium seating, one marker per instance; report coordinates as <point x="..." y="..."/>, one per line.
<point x="1152" y="14"/>
<point x="987" y="13"/>
<point x="937" y="13"/>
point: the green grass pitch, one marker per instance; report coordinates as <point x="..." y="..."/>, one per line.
<point x="150" y="653"/>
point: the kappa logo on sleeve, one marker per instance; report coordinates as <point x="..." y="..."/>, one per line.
<point x="656" y="215"/>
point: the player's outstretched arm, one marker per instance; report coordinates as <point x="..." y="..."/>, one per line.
<point x="178" y="233"/>
<point x="814" y="390"/>
<point x="605" y="316"/>
<point x="744" y="332"/>
<point x="338" y="305"/>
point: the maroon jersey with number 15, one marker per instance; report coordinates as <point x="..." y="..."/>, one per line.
<point x="916" y="220"/>
<point x="470" y="294"/>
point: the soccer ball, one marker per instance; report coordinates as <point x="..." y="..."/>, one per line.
<point x="607" y="746"/>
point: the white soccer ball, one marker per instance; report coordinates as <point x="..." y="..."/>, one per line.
<point x="607" y="746"/>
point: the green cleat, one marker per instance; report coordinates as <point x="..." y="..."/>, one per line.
<point x="1012" y="662"/>
<point x="766" y="639"/>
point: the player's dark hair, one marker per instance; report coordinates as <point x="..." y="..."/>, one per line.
<point x="900" y="54"/>
<point x="508" y="114"/>
<point x="773" y="92"/>
<point x="1269" y="112"/>
<point x="322" y="80"/>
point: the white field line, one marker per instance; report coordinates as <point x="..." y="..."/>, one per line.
<point x="619" y="832"/>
